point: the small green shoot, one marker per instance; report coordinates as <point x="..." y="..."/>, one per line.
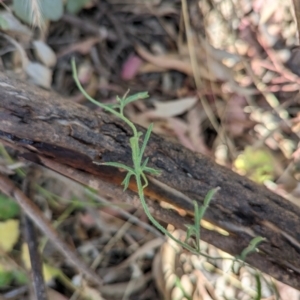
<point x="138" y="143"/>
<point x="252" y="247"/>
<point x="194" y="230"/>
<point x="180" y="286"/>
<point x="258" y="286"/>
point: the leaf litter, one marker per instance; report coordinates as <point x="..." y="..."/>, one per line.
<point x="236" y="65"/>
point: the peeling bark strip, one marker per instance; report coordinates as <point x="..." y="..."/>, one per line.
<point x="45" y="127"/>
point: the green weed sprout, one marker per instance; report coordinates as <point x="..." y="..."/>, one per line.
<point x="252" y="247"/>
<point x="194" y="230"/>
<point x="140" y="168"/>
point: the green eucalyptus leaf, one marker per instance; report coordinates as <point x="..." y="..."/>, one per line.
<point x="50" y="10"/>
<point x="23" y="10"/>
<point x="75" y="6"/>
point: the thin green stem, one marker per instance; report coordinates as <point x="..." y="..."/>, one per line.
<point x="139" y="169"/>
<point x="160" y="227"/>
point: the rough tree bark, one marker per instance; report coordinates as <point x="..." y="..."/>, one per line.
<point x="68" y="137"/>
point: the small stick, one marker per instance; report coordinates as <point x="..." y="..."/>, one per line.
<point x="297" y="16"/>
<point x="31" y="239"/>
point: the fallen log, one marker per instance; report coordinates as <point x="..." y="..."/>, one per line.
<point x="67" y="138"/>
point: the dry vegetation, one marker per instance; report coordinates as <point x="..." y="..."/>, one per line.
<point x="222" y="78"/>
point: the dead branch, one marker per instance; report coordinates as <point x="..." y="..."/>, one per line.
<point x="66" y="137"/>
<point x="38" y="282"/>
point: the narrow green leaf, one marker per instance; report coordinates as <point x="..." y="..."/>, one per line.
<point x="134" y="144"/>
<point x="258" y="287"/>
<point x="190" y="231"/>
<point x="151" y="171"/>
<point x="209" y="196"/>
<point x="126" y="180"/>
<point x="113" y="106"/>
<point x="135" y="97"/>
<point x="145" y="180"/>
<point x="145" y="163"/>
<point x="198" y="217"/>
<point x="197" y="213"/>
<point x="252" y="247"/>
<point x="116" y="165"/>
<point x="145" y="141"/>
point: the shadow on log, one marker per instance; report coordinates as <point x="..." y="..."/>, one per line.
<point x="67" y="138"/>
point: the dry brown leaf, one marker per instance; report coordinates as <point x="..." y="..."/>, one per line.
<point x="267" y="10"/>
<point x="44" y="53"/>
<point x="286" y="292"/>
<point x="14" y="27"/>
<point x="39" y="74"/>
<point x="82" y="47"/>
<point x="235" y="119"/>
<point x="171" y="108"/>
<point x="180" y="129"/>
<point x="131" y="67"/>
<point x="195" y="118"/>
<point x="150" y="68"/>
<point x="204" y="290"/>
<point x="118" y="290"/>
<point x="165" y="61"/>
<point x="54" y="295"/>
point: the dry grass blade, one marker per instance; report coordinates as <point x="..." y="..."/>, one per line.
<point x="297" y="16"/>
<point x="37" y="19"/>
